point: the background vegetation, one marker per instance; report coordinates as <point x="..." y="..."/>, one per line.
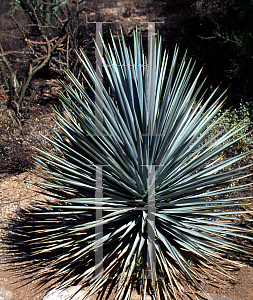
<point x="219" y="34"/>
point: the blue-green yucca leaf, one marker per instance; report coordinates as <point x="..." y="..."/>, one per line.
<point x="152" y="116"/>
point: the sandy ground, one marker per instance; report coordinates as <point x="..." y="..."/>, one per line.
<point x="15" y="194"/>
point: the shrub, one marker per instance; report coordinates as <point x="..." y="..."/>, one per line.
<point x="169" y="211"/>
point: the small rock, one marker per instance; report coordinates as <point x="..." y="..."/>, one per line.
<point x="65" y="294"/>
<point x="5" y="294"/>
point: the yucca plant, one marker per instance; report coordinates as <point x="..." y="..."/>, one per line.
<point x="144" y="155"/>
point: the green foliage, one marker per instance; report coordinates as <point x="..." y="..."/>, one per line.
<point x="15" y="3"/>
<point x="41" y="12"/>
<point x="242" y="115"/>
<point x="192" y="229"/>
